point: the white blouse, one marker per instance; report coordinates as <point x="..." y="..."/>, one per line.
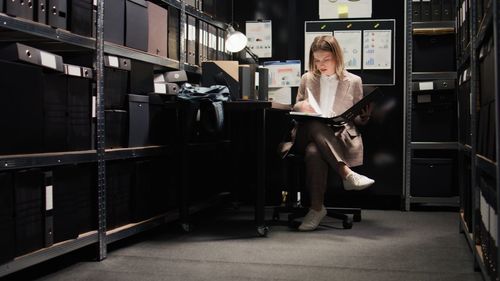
<point x="328" y="88"/>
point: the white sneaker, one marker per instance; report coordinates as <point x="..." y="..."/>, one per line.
<point x="355" y="181"/>
<point x="312" y="219"/>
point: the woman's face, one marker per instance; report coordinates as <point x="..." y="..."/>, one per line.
<point x="324" y="62"/>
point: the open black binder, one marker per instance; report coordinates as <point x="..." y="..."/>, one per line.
<point x="369" y="95"/>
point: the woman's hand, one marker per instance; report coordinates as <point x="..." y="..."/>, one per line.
<point x="365" y="114"/>
<point x="304" y="106"/>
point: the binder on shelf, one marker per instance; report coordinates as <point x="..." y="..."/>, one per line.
<point x="116" y="77"/>
<point x="48" y="209"/>
<point x="114" y="22"/>
<point x="201" y="42"/>
<point x="426" y="10"/>
<point x="220" y="44"/>
<point x="79" y="91"/>
<point x="212" y="44"/>
<point x="416" y="10"/>
<point x="27" y="54"/>
<point x="57" y="17"/>
<point x="263" y="86"/>
<point x="491" y="146"/>
<point x="20" y="8"/>
<point x="7" y="230"/>
<point x="80" y="17"/>
<point x="206" y="40"/>
<point x="116" y="128"/>
<point x="29" y="212"/>
<point x="55" y="108"/>
<point x="141" y="191"/>
<point x="157" y="30"/>
<point x="191" y="40"/>
<point x="447" y="10"/>
<point x="118" y="193"/>
<point x="41" y="10"/>
<point x="21" y="116"/>
<point x="173" y="33"/>
<point x="247" y="81"/>
<point x="436" y="10"/>
<point x="136" y="24"/>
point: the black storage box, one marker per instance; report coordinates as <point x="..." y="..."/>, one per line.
<point x="21" y="117"/>
<point x="434" y="116"/>
<point x="29" y="211"/>
<point x="58" y="13"/>
<point x="118" y="194"/>
<point x="116" y="128"/>
<point x="20" y="8"/>
<point x="138" y="131"/>
<point x="80" y="18"/>
<point x="74" y="209"/>
<point x="141" y="78"/>
<point x="55" y="107"/>
<point x="41" y="11"/>
<point x="114" y="21"/>
<point x="7" y="229"/>
<point x="434" y="53"/>
<point x="173" y="33"/>
<point x="136" y="24"/>
<point x="23" y="53"/>
<point x="487" y="74"/>
<point x="433" y="177"/>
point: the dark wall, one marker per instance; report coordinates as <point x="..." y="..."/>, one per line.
<point x="383" y="136"/>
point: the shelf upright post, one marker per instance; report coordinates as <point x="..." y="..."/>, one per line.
<point x="100" y="135"/>
<point x="407" y="108"/>
<point x="496" y="38"/>
<point x="183" y="36"/>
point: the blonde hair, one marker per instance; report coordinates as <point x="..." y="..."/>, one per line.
<point x="327" y="43"/>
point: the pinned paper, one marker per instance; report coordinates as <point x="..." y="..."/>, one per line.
<point x="343" y="11"/>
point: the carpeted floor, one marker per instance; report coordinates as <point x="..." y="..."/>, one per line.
<point x="385" y="246"/>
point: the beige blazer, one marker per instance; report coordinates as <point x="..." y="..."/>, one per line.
<point x="349" y="92"/>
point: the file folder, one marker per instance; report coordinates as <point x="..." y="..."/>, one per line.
<point x="55" y="107"/>
<point x="173" y="33"/>
<point x="191" y="40"/>
<point x="48" y="209"/>
<point x="157" y="29"/>
<point x="416" y="10"/>
<point x="447" y="10"/>
<point x="436" y="10"/>
<point x="201" y="42"/>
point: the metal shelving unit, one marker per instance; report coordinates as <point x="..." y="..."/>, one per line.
<point x="45" y="37"/>
<point x="431" y="28"/>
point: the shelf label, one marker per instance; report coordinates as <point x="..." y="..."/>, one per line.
<point x="48" y="60"/>
<point x="426" y="86"/>
<point x="73" y="70"/>
<point x="160" y="88"/>
<point x="113" y="61"/>
<point x="48" y="198"/>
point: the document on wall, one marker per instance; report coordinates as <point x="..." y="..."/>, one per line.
<point x="343" y="9"/>
<point x="308" y="39"/>
<point x="377" y="49"/>
<point x="283" y="74"/>
<point x="351" y="43"/>
<point x="280" y="95"/>
<point x="259" y="34"/>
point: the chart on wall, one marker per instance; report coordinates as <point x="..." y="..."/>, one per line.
<point x="368" y="46"/>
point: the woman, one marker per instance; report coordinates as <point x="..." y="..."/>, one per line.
<point x="330" y="90"/>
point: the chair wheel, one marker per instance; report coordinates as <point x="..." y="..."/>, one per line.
<point x="262" y="231"/>
<point x="347" y="224"/>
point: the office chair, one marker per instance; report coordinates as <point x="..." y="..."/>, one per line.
<point x="293" y="177"/>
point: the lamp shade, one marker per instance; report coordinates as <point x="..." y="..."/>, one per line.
<point x="235" y="40"/>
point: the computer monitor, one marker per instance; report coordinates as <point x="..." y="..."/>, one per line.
<point x="221" y="73"/>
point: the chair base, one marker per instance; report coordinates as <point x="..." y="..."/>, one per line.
<point x="295" y="212"/>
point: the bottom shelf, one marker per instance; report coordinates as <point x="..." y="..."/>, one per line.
<point x="476" y="249"/>
<point x="45" y="254"/>
<point x="444" y="201"/>
<point x="478" y="253"/>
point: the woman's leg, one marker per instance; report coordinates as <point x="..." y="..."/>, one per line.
<point x="316" y="175"/>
